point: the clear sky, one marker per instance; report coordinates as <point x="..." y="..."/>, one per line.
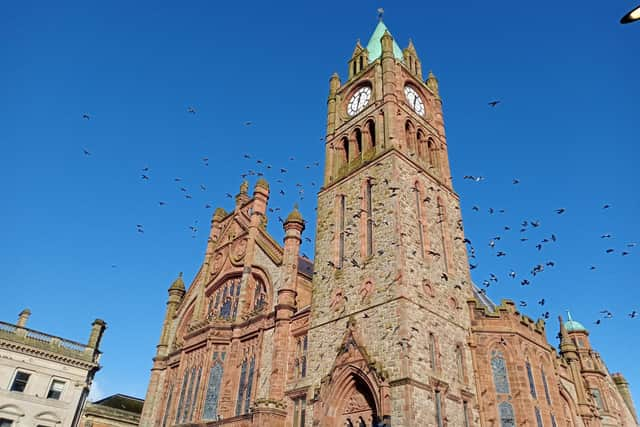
<point x="566" y="74"/>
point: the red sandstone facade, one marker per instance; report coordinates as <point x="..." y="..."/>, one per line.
<point x="384" y="327"/>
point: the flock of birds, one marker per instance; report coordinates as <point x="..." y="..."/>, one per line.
<point x="279" y="178"/>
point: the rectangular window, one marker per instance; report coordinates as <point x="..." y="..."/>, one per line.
<point x="299" y="408"/>
<point x="342" y="213"/>
<point x="419" y="223"/>
<point x="369" y="220"/>
<point x="465" y="408"/>
<point x="432" y="351"/>
<point x="532" y="386"/>
<point x="5" y="422"/>
<point x="553" y="421"/>
<point x="539" y="418"/>
<point x="303" y="357"/>
<point x="183" y="390"/>
<point x="55" y="391"/>
<point x="598" y="398"/>
<point x="438" y="409"/>
<point x="546" y="387"/>
<point x="20" y="381"/>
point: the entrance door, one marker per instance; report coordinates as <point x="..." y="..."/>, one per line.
<point x="358" y="410"/>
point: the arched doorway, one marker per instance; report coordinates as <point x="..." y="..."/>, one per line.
<point x="358" y="408"/>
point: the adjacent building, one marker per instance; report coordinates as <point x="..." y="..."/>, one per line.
<point x="44" y="379"/>
<point x="385" y="326"/>
<point x="118" y="410"/>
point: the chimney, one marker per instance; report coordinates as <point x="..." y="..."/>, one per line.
<point x="23" y="317"/>
<point x="97" y="329"/>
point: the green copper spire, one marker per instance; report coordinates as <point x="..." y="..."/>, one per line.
<point x="572" y="325"/>
<point x="375" y="46"/>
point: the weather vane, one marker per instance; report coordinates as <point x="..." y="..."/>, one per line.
<point x="380" y="13"/>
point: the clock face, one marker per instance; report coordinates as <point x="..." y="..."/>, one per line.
<point x="359" y="100"/>
<point x="414" y="100"/>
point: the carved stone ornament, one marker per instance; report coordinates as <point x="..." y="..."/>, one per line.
<point x="239" y="249"/>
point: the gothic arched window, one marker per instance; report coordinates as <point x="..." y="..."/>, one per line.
<point x="409" y="135"/>
<point x="499" y="369"/>
<point x="433" y="156"/>
<point x="507" y="419"/>
<point x="371" y="128"/>
<point x="422" y="145"/>
<point x="223" y="304"/>
<point x="532" y="384"/>
<point x="210" y="411"/>
<point x="358" y="138"/>
<point x="260" y="295"/>
<point x="345" y="150"/>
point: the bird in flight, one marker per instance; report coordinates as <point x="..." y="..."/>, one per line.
<point x="494" y="103"/>
<point x="86" y="116"/>
<point x="191" y="110"/>
<point x="247" y="123"/>
<point x="86" y="152"/>
<point x="560" y="211"/>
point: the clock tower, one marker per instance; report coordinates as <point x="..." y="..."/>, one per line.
<point x="389" y="332"/>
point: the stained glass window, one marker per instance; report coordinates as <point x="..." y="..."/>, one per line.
<point x="187" y="404"/>
<point x="598" y="398"/>
<point x="241" y="387"/>
<point x="167" y="407"/>
<point x="195" y="394"/>
<point x="539" y="418"/>
<point x="507" y="418"/>
<point x="210" y="411"/>
<point x="260" y="296"/>
<point x="303" y="360"/>
<point x="223" y="304"/>
<point x="546" y="387"/>
<point x="532" y="385"/>
<point x="300" y="361"/>
<point x="499" y="368"/>
<point x="182" y="392"/>
<point x="247" y="398"/>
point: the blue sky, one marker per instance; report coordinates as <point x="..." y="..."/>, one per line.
<point x="567" y="129"/>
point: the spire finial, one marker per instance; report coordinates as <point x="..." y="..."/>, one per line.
<point x="380" y="13"/>
<point x="569" y="315"/>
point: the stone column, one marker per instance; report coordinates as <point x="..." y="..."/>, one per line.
<point x="285" y="308"/>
